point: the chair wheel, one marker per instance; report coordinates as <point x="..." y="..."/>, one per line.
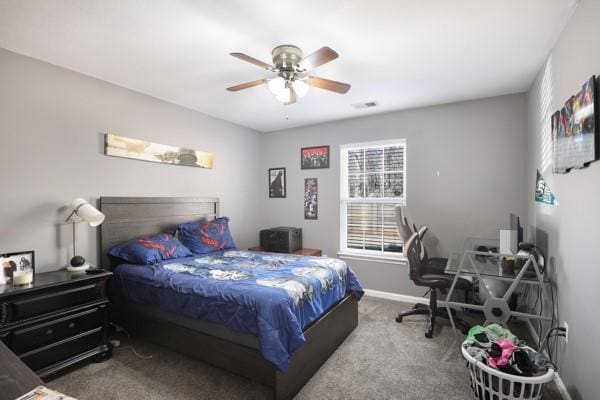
<point x="428" y="335"/>
<point x="399" y="318"/>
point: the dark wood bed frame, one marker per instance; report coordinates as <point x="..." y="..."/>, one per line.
<point x="130" y="217"/>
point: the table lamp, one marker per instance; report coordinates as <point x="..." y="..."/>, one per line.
<point x="82" y="211"/>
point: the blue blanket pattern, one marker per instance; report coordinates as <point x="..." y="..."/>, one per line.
<point x="271" y="295"/>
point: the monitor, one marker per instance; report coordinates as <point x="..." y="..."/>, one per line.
<point x="515" y="225"/>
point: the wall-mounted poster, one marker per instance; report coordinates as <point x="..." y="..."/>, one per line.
<point x="311" y="189"/>
<point x="543" y="194"/>
<point x="121" y="146"/>
<point x="574" y="130"/>
<point x="314" y="157"/>
<point x="276" y="182"/>
<point x="17" y="268"/>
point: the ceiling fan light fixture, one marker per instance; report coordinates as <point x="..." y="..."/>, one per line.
<point x="292" y="81"/>
<point x="300" y="87"/>
<point x="284" y="95"/>
<point x="277" y="85"/>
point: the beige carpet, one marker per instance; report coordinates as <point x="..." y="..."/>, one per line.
<point x="381" y="359"/>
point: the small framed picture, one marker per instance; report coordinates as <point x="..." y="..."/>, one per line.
<point x="314" y="157"/>
<point x="311" y="189"/>
<point x="17" y="268"/>
<point x="277" y="182"/>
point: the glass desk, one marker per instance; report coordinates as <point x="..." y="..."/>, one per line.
<point x="498" y="266"/>
<point x="515" y="269"/>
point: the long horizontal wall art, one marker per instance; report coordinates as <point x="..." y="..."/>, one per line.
<point x="121" y="146"/>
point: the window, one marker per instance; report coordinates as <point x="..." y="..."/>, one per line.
<point x="373" y="183"/>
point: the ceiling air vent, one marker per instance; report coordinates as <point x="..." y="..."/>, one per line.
<point x="368" y="104"/>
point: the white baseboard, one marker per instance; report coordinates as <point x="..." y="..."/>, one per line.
<point x="401" y="297"/>
<point x="415" y="299"/>
<point x="396" y="296"/>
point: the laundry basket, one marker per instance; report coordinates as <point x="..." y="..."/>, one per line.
<point x="491" y="384"/>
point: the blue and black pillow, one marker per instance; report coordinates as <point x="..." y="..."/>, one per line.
<point x="151" y="249"/>
<point x="203" y="237"/>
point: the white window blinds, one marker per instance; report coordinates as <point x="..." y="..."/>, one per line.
<point x="373" y="184"/>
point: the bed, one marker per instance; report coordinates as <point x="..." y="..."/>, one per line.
<point x="168" y="304"/>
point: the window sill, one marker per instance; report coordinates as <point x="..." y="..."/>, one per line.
<point x="397" y="260"/>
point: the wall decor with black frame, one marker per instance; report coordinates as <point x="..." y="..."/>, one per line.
<point x="314" y="157"/>
<point x="277" y="182"/>
<point x="575" y="130"/>
<point x="311" y="202"/>
<point x="17" y="268"/>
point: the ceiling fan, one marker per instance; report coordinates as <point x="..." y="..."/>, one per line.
<point x="293" y="79"/>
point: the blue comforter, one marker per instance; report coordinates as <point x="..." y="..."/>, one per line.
<point x="273" y="296"/>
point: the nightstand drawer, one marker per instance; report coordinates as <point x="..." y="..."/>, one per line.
<point x="38" y="305"/>
<point x="60" y="351"/>
<point x="36" y="336"/>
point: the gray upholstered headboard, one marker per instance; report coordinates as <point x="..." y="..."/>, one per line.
<point x="131" y="217"/>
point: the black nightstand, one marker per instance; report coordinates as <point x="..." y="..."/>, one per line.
<point x="58" y="321"/>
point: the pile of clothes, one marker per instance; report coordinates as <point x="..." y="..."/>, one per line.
<point x="498" y="348"/>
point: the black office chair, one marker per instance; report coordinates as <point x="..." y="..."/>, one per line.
<point x="417" y="261"/>
<point x="435" y="264"/>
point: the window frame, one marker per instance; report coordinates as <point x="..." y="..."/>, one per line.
<point x="344" y="251"/>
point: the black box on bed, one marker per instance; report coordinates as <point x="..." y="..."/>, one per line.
<point x="282" y="239"/>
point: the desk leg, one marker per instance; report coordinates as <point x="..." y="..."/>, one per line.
<point x="449" y="295"/>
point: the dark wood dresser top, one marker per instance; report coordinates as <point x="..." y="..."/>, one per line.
<point x="49" y="279"/>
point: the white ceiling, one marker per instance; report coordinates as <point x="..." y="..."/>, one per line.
<point x="400" y="53"/>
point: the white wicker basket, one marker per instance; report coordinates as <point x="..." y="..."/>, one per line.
<point x="491" y="384"/>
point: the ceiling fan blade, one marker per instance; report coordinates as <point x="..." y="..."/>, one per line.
<point x="246" y="85"/>
<point x="319" y="57"/>
<point x="327" y="84"/>
<point x="293" y="96"/>
<point x="253" y="60"/>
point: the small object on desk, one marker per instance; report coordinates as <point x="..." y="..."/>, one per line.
<point x="77" y="261"/>
<point x="24" y="278"/>
<point x="301" y="252"/>
<point x="94" y="271"/>
<point x="508" y="265"/>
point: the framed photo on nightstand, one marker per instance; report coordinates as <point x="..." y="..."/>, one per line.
<point x="17" y="268"/>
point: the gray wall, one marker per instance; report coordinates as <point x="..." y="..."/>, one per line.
<point x="478" y="147"/>
<point x="51" y="126"/>
<point x="571" y="230"/>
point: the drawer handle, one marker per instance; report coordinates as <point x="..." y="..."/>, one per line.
<point x="71" y="325"/>
<point x="49" y="332"/>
